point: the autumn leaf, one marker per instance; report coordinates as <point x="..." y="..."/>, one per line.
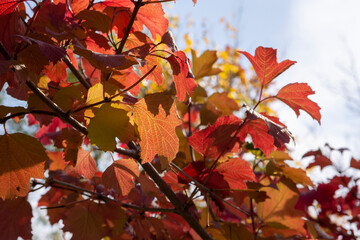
<point x="156" y="118"/>
<point x="85" y="222"/>
<point x="224" y="103"/>
<point x="215" y="139"/>
<point x="109" y="123"/>
<point x="236" y="171"/>
<point x="265" y="64"/>
<point x="319" y="159"/>
<point x="354" y="163"/>
<point x="259" y="135"/>
<point x="95" y="20"/>
<point x="85" y="165"/>
<point x="203" y="65"/>
<point x="15" y="219"/>
<point x="52" y="52"/>
<point x="295" y="96"/>
<point x="279" y="209"/>
<point x="183" y="77"/>
<point x="21" y="157"/>
<point x="121" y="176"/>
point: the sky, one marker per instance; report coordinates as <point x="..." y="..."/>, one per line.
<point x="322" y="36"/>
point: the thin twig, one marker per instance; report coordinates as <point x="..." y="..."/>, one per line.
<point x="205" y="189"/>
<point x="76" y="73"/>
<point x="4" y="119"/>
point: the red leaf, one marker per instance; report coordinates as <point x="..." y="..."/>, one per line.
<point x="265" y="64"/>
<point x="236" y="171"/>
<point x="215" y="139"/>
<point x="354" y="163"/>
<point x="295" y="96"/>
<point x="150" y="15"/>
<point x="319" y="160"/>
<point x="15" y="219"/>
<point x="121" y="176"/>
<point x="85" y="222"/>
<point x="52" y="52"/>
<point x="183" y="77"/>
<point x="259" y="134"/>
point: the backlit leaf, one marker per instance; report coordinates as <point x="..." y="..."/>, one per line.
<point x="235" y="172"/>
<point x="15" y="219"/>
<point x="156" y="118"/>
<point x="183" y="77"/>
<point x="121" y="175"/>
<point x="265" y="64"/>
<point x="21" y="157"/>
<point x="85" y="165"/>
<point x="295" y="96"/>
<point x="279" y="208"/>
<point x="217" y="138"/>
<point x="109" y="123"/>
<point x="203" y="65"/>
<point x="85" y="222"/>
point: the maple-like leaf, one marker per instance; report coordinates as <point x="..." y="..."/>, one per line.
<point x="109" y="123"/>
<point x="156" y="118"/>
<point x="203" y="65"/>
<point x="183" y="77"/>
<point x="355" y="163"/>
<point x="52" y="52"/>
<point x="121" y="175"/>
<point x="236" y="171"/>
<point x="319" y="159"/>
<point x="105" y="61"/>
<point x="85" y="222"/>
<point x="265" y="64"/>
<point x="95" y="20"/>
<point x="295" y="96"/>
<point x="279" y="210"/>
<point x="85" y="165"/>
<point x="15" y="219"/>
<point x="217" y="138"/>
<point x="21" y="157"/>
<point x="224" y="103"/>
<point x="259" y="135"/>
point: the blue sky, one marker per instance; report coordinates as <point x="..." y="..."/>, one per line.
<point x="322" y="36"/>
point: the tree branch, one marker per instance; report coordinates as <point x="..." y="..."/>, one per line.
<point x="138" y="4"/>
<point x="76" y="73"/>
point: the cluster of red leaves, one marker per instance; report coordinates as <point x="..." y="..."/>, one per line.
<point x="78" y="65"/>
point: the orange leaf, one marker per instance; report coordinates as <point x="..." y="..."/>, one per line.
<point x="85" y="165"/>
<point x="265" y="64"/>
<point x="156" y="118"/>
<point x="235" y="172"/>
<point x="121" y="175"/>
<point x="15" y="219"/>
<point x="183" y="77"/>
<point x="279" y="209"/>
<point x="295" y="96"/>
<point x="203" y="65"/>
<point x="21" y="157"/>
